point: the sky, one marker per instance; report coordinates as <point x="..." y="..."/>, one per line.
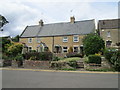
<point x="22" y="13"/>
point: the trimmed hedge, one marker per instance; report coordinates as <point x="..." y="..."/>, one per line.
<point x="38" y="56"/>
<point x="94" y="59"/>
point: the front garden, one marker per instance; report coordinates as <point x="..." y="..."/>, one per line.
<point x="95" y="57"/>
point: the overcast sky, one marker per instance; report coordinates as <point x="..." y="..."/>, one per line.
<point x="21" y="13"/>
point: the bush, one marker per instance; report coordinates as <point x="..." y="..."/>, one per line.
<point x="14" y="49"/>
<point x="73" y="64"/>
<point x="108" y="53"/>
<point x="94" y="59"/>
<point x="92" y="44"/>
<point x="55" y="58"/>
<point x="74" y="54"/>
<point x="65" y="63"/>
<point x="38" y="55"/>
<point x="115" y="60"/>
<point x="19" y="57"/>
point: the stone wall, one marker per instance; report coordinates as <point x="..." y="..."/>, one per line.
<point x="36" y="64"/>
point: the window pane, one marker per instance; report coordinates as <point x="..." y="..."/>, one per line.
<point x="76" y="38"/>
<point x="75" y="49"/>
<point x="64" y="49"/>
<point x="65" y="39"/>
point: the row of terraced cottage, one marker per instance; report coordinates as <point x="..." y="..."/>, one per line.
<point x="60" y="37"/>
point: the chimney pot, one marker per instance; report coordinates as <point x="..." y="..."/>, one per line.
<point x="72" y="19"/>
<point x="41" y="22"/>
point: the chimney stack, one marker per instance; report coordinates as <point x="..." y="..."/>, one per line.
<point x="41" y="22"/>
<point x="72" y="19"/>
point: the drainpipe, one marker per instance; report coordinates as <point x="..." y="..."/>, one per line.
<point x="53" y="45"/>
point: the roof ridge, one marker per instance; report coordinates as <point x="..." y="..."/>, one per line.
<point x="109" y="19"/>
<point x="61" y="23"/>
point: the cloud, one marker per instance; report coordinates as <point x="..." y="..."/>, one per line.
<point x="25" y="12"/>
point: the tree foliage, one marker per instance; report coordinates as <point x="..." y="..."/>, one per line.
<point x="4" y="41"/>
<point x="15" y="39"/>
<point x="93" y="44"/>
<point x="15" y="49"/>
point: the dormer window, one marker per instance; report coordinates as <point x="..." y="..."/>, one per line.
<point x="29" y="40"/>
<point x="108" y="34"/>
<point x="65" y="39"/>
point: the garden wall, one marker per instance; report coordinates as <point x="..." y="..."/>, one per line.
<point x="36" y="64"/>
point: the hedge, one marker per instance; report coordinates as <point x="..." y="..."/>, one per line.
<point x="94" y="59"/>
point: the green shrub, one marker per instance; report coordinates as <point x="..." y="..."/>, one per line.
<point x="19" y="57"/>
<point x="108" y="53"/>
<point x="93" y="43"/>
<point x="33" y="51"/>
<point x="39" y="55"/>
<point x="115" y="60"/>
<point x="65" y="63"/>
<point x="94" y="59"/>
<point x="73" y="64"/>
<point x="32" y="58"/>
<point x="55" y="58"/>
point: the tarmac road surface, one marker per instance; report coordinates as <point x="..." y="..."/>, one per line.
<point x="48" y="79"/>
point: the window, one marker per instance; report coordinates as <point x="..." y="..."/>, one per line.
<point x="65" y="39"/>
<point x="108" y="43"/>
<point x="29" y="48"/>
<point x="29" y="40"/>
<point x="75" y="49"/>
<point x="65" y="49"/>
<point x="108" y="34"/>
<point x="75" y="39"/>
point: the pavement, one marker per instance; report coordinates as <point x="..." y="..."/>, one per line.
<point x="35" y="78"/>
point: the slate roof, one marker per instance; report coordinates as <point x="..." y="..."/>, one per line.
<point x="109" y="24"/>
<point x="58" y="29"/>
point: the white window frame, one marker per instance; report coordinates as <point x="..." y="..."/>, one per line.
<point x="65" y="39"/>
<point x="29" y="41"/>
<point x="29" y="47"/>
<point x="65" y="49"/>
<point x="74" y="48"/>
<point x="77" y="38"/>
<point x="108" y="34"/>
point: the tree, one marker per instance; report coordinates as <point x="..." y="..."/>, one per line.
<point x="4" y="41"/>
<point x="93" y="43"/>
<point x="16" y="39"/>
<point x="15" y="49"/>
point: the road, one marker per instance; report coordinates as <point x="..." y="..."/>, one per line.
<point x="43" y="79"/>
